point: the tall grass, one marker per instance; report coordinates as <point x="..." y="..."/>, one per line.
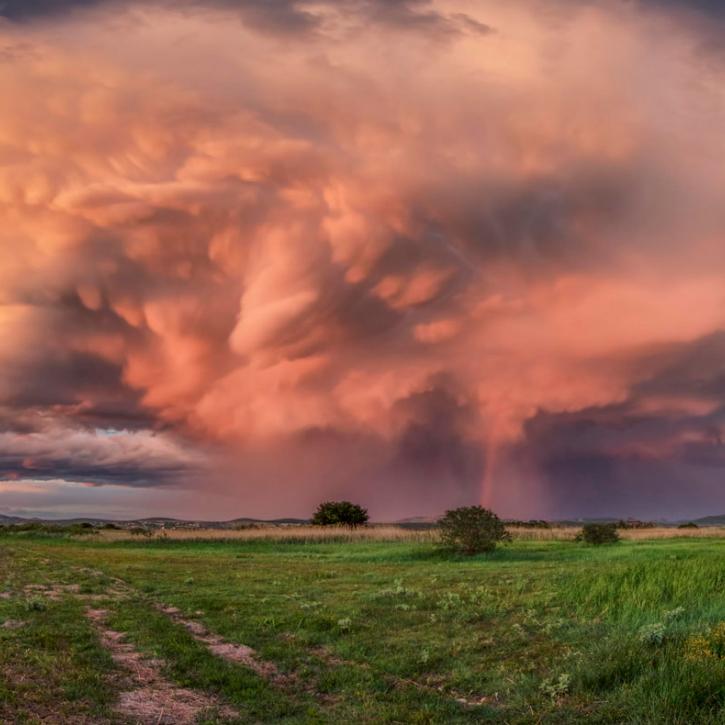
<point x="568" y="533"/>
<point x="641" y="589"/>
<point x="391" y="533"/>
<point x="292" y="534"/>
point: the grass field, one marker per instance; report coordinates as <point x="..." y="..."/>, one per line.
<point x="96" y="630"/>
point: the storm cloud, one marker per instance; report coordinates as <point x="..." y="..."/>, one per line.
<point x="434" y="253"/>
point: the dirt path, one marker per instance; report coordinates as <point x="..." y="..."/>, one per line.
<point x="238" y="653"/>
<point x="153" y="700"/>
<point x="150" y="699"/>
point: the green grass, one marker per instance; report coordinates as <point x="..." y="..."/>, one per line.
<point x="52" y="666"/>
<point x="550" y="632"/>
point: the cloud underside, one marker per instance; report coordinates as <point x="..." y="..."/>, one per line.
<point x="436" y="253"/>
<point x="284" y="18"/>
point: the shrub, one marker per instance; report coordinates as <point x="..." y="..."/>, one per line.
<point x="471" y="530"/>
<point x="688" y="525"/>
<point x="598" y="534"/>
<point x="340" y="513"/>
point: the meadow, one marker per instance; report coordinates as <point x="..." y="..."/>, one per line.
<point x="373" y="626"/>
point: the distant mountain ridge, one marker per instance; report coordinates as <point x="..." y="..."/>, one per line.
<point x="710" y="520"/>
<point x="717" y="520"/>
<point x="11" y="519"/>
<point x="155" y="521"/>
<point x="412" y="521"/>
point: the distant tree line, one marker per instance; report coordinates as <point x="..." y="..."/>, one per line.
<point x="530" y="524"/>
<point x="474" y="529"/>
<point x="634" y="524"/>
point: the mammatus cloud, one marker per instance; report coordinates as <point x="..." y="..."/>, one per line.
<point x="436" y="253"/>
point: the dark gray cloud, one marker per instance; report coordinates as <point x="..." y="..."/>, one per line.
<point x="535" y="221"/>
<point x="437" y="447"/>
<point x="630" y="458"/>
<point x="695" y="369"/>
<point x="51" y="468"/>
<point x="54" y="450"/>
<point x="712" y="7"/>
<point x="613" y="463"/>
<point x="29" y="9"/>
<point x="286" y="17"/>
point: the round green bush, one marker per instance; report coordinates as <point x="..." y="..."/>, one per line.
<point x="471" y="530"/>
<point x="598" y="534"/>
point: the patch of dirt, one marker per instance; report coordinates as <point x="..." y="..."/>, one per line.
<point x="465" y="700"/>
<point x="6" y="595"/>
<point x="89" y="570"/>
<point x="52" y="591"/>
<point x="490" y="700"/>
<point x="331" y="659"/>
<point x="238" y="653"/>
<point x="150" y="698"/>
<point x="104" y="597"/>
<point x="12" y="624"/>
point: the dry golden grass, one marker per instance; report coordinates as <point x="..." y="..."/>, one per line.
<point x="567" y="533"/>
<point x="665" y="532"/>
<point x="393" y="533"/>
<point x="287" y="533"/>
<point x="556" y="533"/>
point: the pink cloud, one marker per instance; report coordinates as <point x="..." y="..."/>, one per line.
<point x="415" y="243"/>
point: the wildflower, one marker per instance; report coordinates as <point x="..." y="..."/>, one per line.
<point x="554" y="688"/>
<point x="673" y="614"/>
<point x="652" y="634"/>
<point x="707" y="646"/>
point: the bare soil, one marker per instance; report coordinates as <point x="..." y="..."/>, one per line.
<point x="150" y="699"/>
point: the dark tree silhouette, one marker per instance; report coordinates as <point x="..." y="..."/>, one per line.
<point x="340" y="513"/>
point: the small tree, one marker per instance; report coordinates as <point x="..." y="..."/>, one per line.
<point x="340" y="513"/>
<point x="598" y="534"/>
<point x="471" y="530"/>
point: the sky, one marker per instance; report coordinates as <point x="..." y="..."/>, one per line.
<point x="256" y="254"/>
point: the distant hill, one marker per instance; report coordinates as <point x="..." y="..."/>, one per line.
<point x="710" y="520"/>
<point x="155" y="522"/>
<point x="418" y="520"/>
<point x="10" y="519"/>
<point x="413" y="522"/>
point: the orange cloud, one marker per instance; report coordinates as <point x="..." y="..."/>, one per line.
<point x="429" y="243"/>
